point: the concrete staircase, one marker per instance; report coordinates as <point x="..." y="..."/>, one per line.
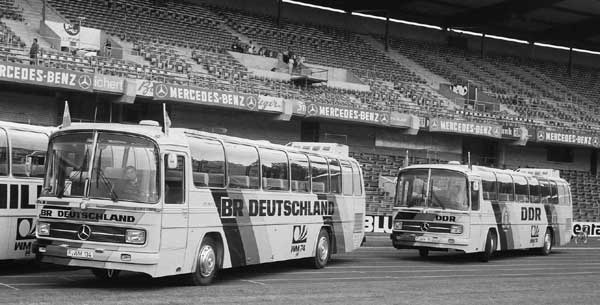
<point x="30" y="27"/>
<point x="433" y="80"/>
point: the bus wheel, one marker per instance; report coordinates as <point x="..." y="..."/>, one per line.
<point x="423" y="252"/>
<point x="547" y="247"/>
<point x="490" y="247"/>
<point x="206" y="263"/>
<point x="322" y="253"/>
<point x="106" y="275"/>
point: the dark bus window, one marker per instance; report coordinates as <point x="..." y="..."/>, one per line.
<point x="545" y="190"/>
<point x="534" y="190"/>
<point x="274" y="170"/>
<point x="208" y="162"/>
<point x="490" y="191"/>
<point x="357" y="185"/>
<point x="175" y="181"/>
<point x="346" y="178"/>
<point x="320" y="174"/>
<point x="242" y="163"/>
<point x="336" y="176"/>
<point x="475" y="195"/>
<point x="553" y="193"/>
<point x="3" y="153"/>
<point x="26" y="145"/>
<point x="521" y="189"/>
<point x="300" y="172"/>
<point x="506" y="189"/>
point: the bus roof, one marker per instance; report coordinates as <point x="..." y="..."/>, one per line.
<point x="177" y="136"/>
<point x="478" y="170"/>
<point x="27" y="127"/>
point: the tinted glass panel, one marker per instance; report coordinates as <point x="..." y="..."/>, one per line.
<point x="346" y="178"/>
<point x="300" y="172"/>
<point x="242" y="162"/>
<point x="30" y="145"/>
<point x="274" y="170"/>
<point x="208" y="162"/>
<point x="336" y="176"/>
<point x="320" y="175"/>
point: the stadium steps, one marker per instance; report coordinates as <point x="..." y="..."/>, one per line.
<point x="128" y="51"/>
<point x="30" y="27"/>
<point x="37" y="8"/>
<point x="433" y="80"/>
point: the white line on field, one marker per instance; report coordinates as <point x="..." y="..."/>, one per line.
<point x="9" y="286"/>
<point x="556" y="248"/>
<point x="254" y="282"/>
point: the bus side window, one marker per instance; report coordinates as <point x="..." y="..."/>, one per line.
<point x="506" y="188"/>
<point x="521" y="189"/>
<point x="489" y="189"/>
<point x="475" y="195"/>
<point x="300" y="172"/>
<point x="3" y="153"/>
<point x="274" y="170"/>
<point x="28" y="145"/>
<point x="346" y="178"/>
<point x="534" y="190"/>
<point x="545" y="191"/>
<point x="336" y="176"/>
<point x="320" y="174"/>
<point x="175" y="181"/>
<point x="553" y="193"/>
<point x="208" y="162"/>
<point x="357" y="188"/>
<point x="242" y="163"/>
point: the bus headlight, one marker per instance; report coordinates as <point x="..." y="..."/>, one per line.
<point x="135" y="236"/>
<point x="397" y="225"/>
<point x="456" y="229"/>
<point x="43" y="229"/>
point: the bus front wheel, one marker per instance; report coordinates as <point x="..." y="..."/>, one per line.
<point x="490" y="247"/>
<point x="206" y="263"/>
<point x="547" y="247"/>
<point x="323" y="250"/>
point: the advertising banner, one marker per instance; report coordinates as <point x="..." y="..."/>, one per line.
<point x="73" y="35"/>
<point x="270" y="104"/>
<point x="592" y="229"/>
<point x="109" y="83"/>
<point x="42" y="76"/>
<point x="171" y="92"/>
<point x="465" y="127"/>
<point x="348" y="114"/>
<point x="567" y="138"/>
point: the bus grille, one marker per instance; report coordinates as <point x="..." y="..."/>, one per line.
<point x="424" y="226"/>
<point x="98" y="233"/>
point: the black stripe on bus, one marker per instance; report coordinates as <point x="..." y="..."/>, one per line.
<point x="14" y="196"/>
<point x="231" y="230"/>
<point x="337" y="232"/>
<point x="502" y="238"/>
<point x="3" y="196"/>
<point x="25" y="197"/>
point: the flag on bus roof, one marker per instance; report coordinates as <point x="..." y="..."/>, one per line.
<point x="66" y="122"/>
<point x="166" y="120"/>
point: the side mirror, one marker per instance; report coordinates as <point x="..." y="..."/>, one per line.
<point x="172" y="161"/>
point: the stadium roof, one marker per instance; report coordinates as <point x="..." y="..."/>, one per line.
<point x="572" y="23"/>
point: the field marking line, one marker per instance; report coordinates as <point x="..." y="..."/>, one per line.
<point x="557" y="248"/>
<point x="254" y="282"/>
<point x="9" y="286"/>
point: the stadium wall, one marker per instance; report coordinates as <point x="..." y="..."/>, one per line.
<point x="27" y="108"/>
<point x="534" y="155"/>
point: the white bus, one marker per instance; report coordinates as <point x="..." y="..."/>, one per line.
<point x="479" y="209"/>
<point x="130" y="197"/>
<point x="22" y="151"/>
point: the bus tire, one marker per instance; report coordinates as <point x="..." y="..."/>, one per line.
<point x="207" y="263"/>
<point x="490" y="247"/>
<point x="423" y="252"/>
<point x="547" y="246"/>
<point x="323" y="250"/>
<point x="106" y="275"/>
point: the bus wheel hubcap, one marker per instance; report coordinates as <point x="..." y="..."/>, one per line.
<point x="323" y="249"/>
<point x="207" y="261"/>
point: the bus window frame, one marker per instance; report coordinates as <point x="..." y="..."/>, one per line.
<point x="8" y="161"/>
<point x="553" y="196"/>
<point x="10" y="146"/>
<point x="260" y="161"/>
<point x="331" y="162"/>
<point x="308" y="169"/>
<point x="184" y="181"/>
<point x="490" y="179"/>
<point x="360" y="180"/>
<point x="312" y="183"/>
<point x="522" y="178"/>
<point x="539" y="189"/>
<point x="225" y="173"/>
<point x="498" y="181"/>
<point x="348" y="166"/>
<point x="228" y="176"/>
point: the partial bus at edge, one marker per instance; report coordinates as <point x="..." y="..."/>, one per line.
<point x="474" y="209"/>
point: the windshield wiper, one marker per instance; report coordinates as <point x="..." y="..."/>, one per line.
<point x="107" y="183"/>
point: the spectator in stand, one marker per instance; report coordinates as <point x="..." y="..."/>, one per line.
<point x="33" y="52"/>
<point x="251" y="48"/>
<point x="107" y="48"/>
<point x="291" y="65"/>
<point x="262" y="51"/>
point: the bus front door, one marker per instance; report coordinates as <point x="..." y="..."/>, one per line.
<point x="175" y="210"/>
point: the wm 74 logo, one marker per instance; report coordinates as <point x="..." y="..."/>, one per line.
<point x="299" y="236"/>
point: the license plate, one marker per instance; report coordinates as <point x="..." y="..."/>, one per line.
<point x="80" y="253"/>
<point x="423" y="238"/>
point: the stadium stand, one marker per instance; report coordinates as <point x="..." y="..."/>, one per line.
<point x="189" y="44"/>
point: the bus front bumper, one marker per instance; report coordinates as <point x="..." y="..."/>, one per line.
<point x="99" y="258"/>
<point x="403" y="240"/>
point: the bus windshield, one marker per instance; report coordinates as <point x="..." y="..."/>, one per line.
<point x="435" y="188"/>
<point x="124" y="167"/>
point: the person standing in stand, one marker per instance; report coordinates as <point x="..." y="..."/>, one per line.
<point x="33" y="51"/>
